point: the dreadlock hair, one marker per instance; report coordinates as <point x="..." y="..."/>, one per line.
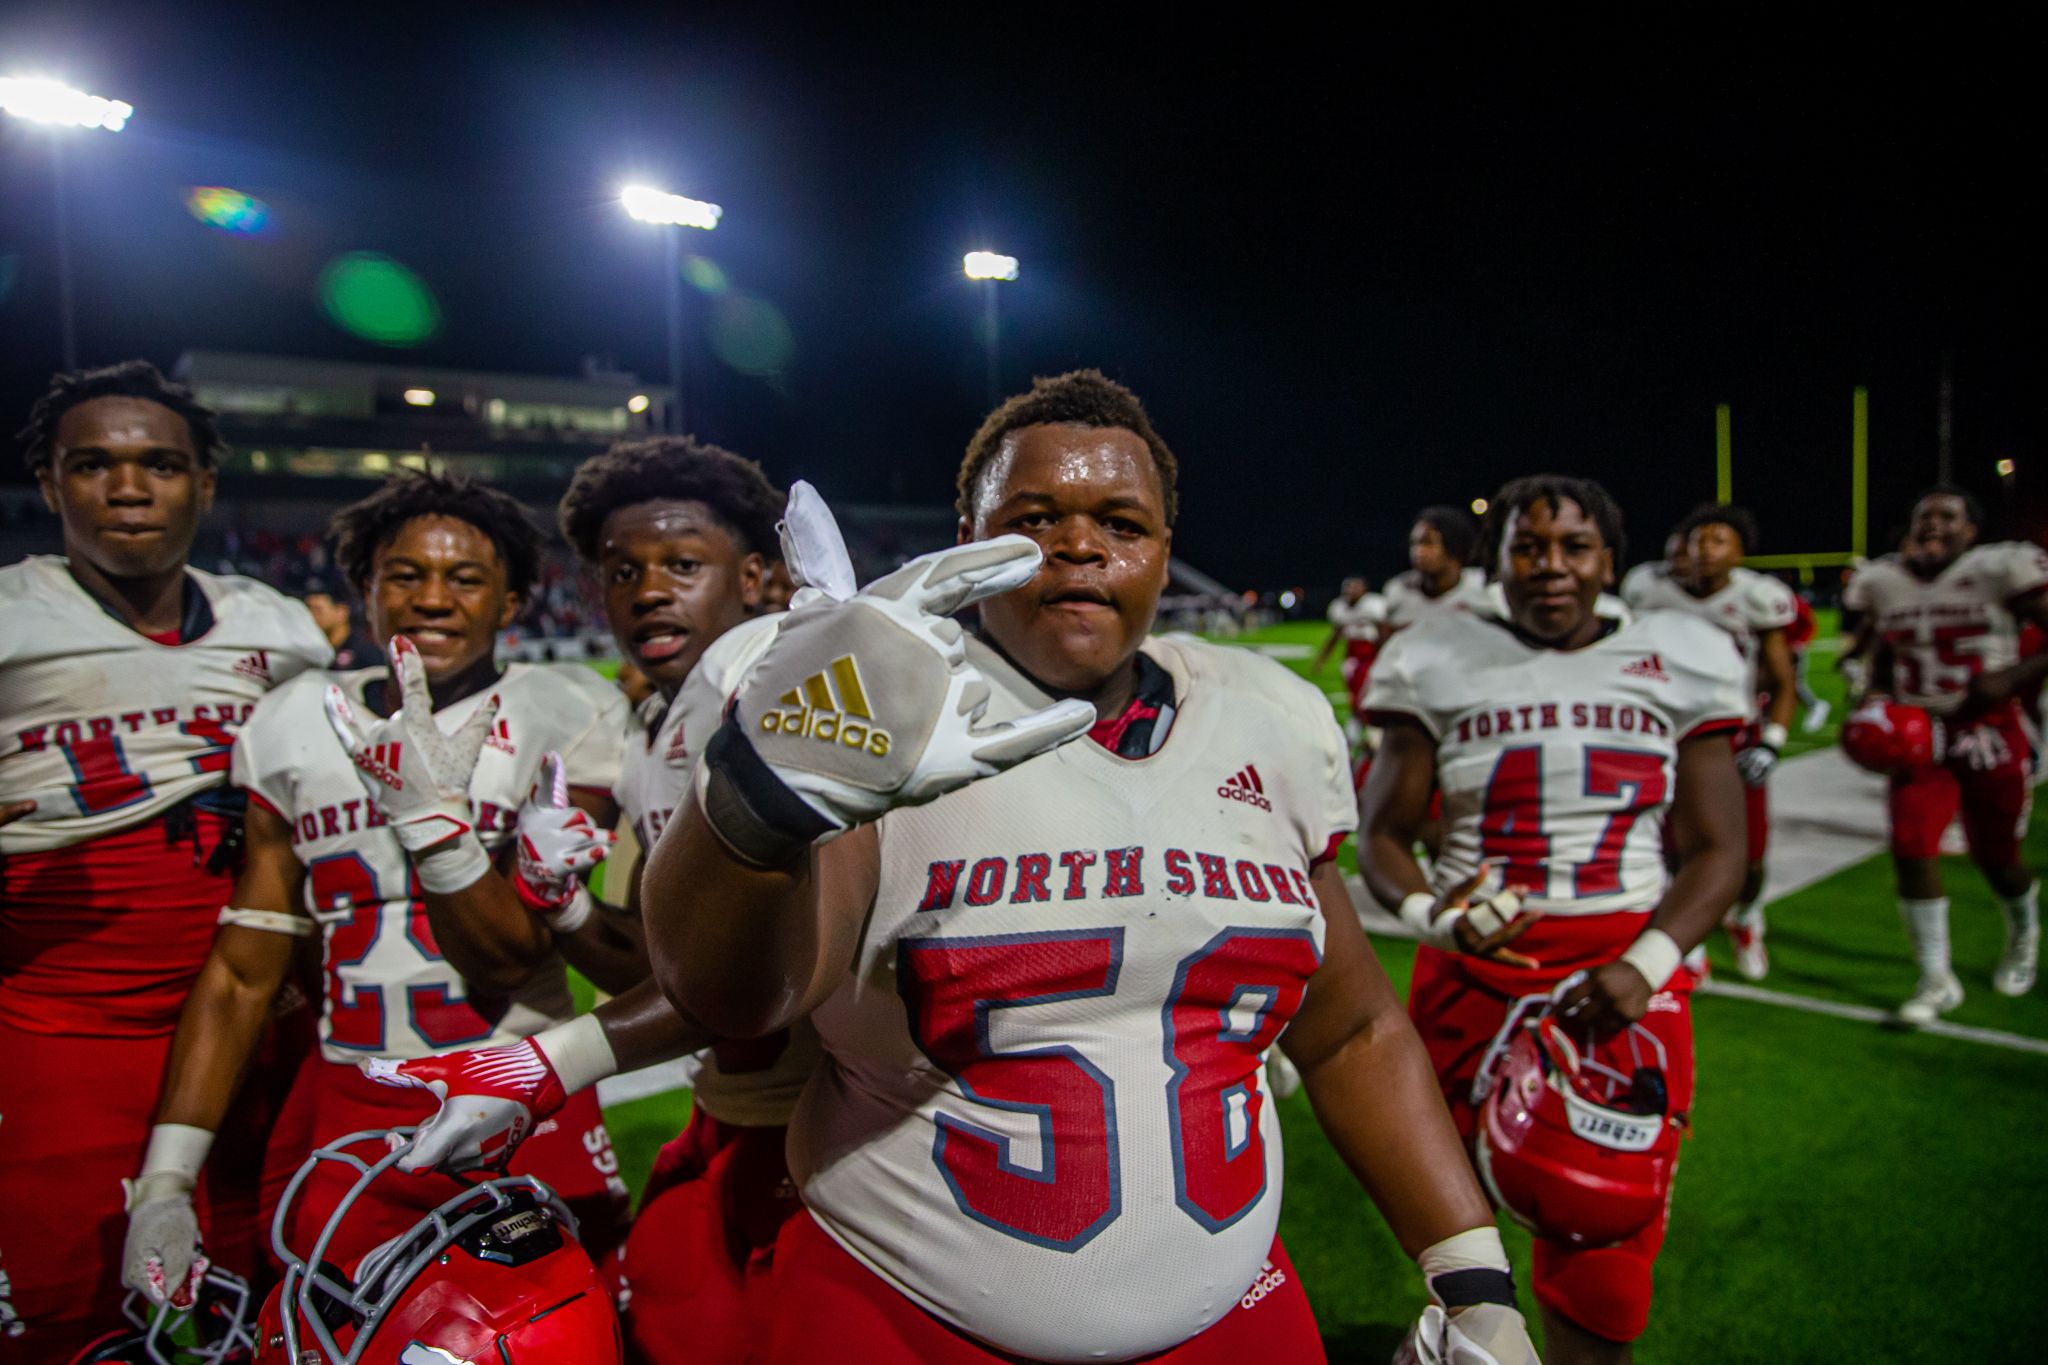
<point x="1086" y="398"/>
<point x="1737" y="519"/>
<point x="1972" y="509"/>
<point x="129" y="379"/>
<point x="1454" y="528"/>
<point x="1518" y="495"/>
<point x="362" y="528"/>
<point x="672" y="467"/>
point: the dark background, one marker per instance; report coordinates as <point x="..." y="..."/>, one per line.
<point x="1352" y="269"/>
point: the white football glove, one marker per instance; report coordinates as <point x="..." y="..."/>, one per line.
<point x="491" y="1100"/>
<point x="862" y="706"/>
<point x="418" y="775"/>
<point x="1980" y="747"/>
<point x="162" y="1258"/>
<point x="813" y="550"/>
<point x="559" y="845"/>
<point x="1483" y="1334"/>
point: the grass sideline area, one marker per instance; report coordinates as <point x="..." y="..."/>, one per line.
<point x="1849" y="1192"/>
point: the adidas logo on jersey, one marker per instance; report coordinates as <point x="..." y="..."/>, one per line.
<point x="830" y="705"/>
<point x="1244" y="785"/>
<point x="1650" y="666"/>
<point x="500" y="737"/>
<point x="255" y="666"/>
<point x="678" y="752"/>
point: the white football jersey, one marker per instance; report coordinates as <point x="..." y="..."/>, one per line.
<point x="1748" y="605"/>
<point x="1360" y="620"/>
<point x="752" y="1083"/>
<point x="1638" y="579"/>
<point x="389" y="992"/>
<point x="1945" y="630"/>
<point x="1558" y="766"/>
<point x="1040" y="1116"/>
<point x="1408" y="605"/>
<point x="105" y="728"/>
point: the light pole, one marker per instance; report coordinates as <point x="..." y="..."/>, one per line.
<point x="990" y="268"/>
<point x="58" y="106"/>
<point x="673" y="212"/>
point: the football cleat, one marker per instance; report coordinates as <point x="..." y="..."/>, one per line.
<point x="2019" y="963"/>
<point x="1938" y="994"/>
<point x="1816" y="715"/>
<point x="1746" y="937"/>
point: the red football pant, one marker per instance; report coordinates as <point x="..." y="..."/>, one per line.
<point x="831" y="1307"/>
<point x="1357" y="667"/>
<point x="1756" y="802"/>
<point x="75" y="1115"/>
<point x="1605" y="1290"/>
<point x="1994" y="800"/>
<point x="571" y="1153"/>
<point x="699" y="1257"/>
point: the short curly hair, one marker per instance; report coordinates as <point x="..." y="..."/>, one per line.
<point x="672" y="467"/>
<point x="1518" y="495"/>
<point x="1086" y="398"/>
<point x="1454" y="527"/>
<point x="362" y="528"/>
<point x="129" y="379"/>
<point x="1740" y="520"/>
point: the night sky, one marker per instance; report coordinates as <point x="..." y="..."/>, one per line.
<point x="1351" y="269"/>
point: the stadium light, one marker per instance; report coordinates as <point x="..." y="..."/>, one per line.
<point x="674" y="212"/>
<point x="2005" y="468"/>
<point x="420" y="398"/>
<point x="988" y="265"/>
<point x="38" y="99"/>
<point x="41" y="100"/>
<point x="650" y="205"/>
<point x="1479" y="507"/>
<point x="637" y="404"/>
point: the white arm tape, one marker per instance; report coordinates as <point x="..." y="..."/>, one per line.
<point x="178" y="1150"/>
<point x="454" y="866"/>
<point x="574" y="914"/>
<point x="1415" y="910"/>
<point x="578" y="1051"/>
<point x="1473" y="1249"/>
<point x="1774" y="735"/>
<point x="270" y="921"/>
<point x="1656" y="955"/>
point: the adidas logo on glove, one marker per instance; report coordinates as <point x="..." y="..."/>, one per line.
<point x="831" y="705"/>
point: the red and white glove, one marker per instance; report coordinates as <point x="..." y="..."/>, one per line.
<point x="559" y="845"/>
<point x="418" y="775"/>
<point x="493" y="1098"/>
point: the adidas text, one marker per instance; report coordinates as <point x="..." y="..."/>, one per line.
<point x="829" y="726"/>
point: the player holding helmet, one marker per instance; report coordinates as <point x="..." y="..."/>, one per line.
<point x="1943" y="615"/>
<point x="1563" y="743"/>
<point x="1757" y="611"/>
<point x="386" y="840"/>
<point x="124" y="675"/>
<point x="1045" y="971"/>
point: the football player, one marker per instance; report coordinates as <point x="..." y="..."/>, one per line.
<point x="1563" y="742"/>
<point x="1355" y="619"/>
<point x="124" y="675"/>
<point x="1756" y="611"/>
<point x="1440" y="576"/>
<point x="1039" y="1129"/>
<point x="1676" y="564"/>
<point x="388" y="853"/>
<point x="1944" y="616"/>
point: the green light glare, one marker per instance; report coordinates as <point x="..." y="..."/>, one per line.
<point x="367" y="294"/>
<point x="705" y="276"/>
<point x="751" y="335"/>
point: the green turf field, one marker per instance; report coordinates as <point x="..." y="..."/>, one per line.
<point x="1849" y="1194"/>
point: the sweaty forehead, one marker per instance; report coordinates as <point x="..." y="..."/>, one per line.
<point x="441" y="540"/>
<point x="661" y="519"/>
<point x="1068" y="461"/>
<point x="120" y="423"/>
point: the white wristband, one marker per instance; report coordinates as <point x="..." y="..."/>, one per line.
<point x="456" y="865"/>
<point x="1656" y="955"/>
<point x="1774" y="736"/>
<point x="270" y="921"/>
<point x="1414" y="913"/>
<point x="176" y="1149"/>
<point x="1473" y="1249"/>
<point x="578" y="1051"/>
<point x="575" y="912"/>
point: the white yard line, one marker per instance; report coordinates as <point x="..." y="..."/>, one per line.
<point x="1864" y="1014"/>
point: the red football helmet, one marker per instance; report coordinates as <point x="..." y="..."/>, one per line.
<point x="1884" y="736"/>
<point x="493" y="1275"/>
<point x="1578" y="1144"/>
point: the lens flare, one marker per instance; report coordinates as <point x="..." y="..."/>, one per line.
<point x="217" y="206"/>
<point x="371" y="296"/>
